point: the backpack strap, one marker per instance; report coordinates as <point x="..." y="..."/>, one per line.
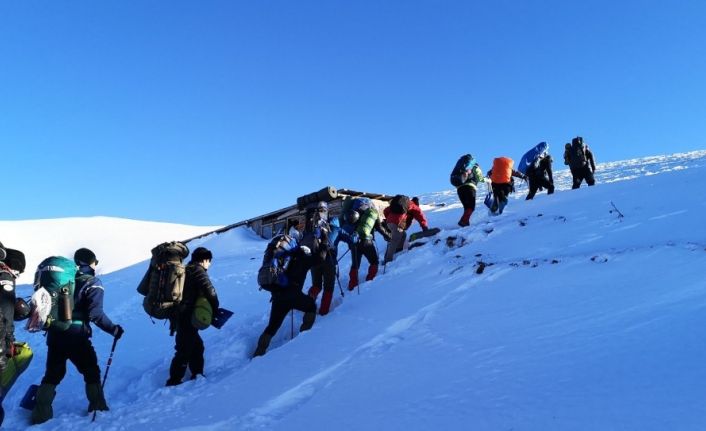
<point x="7" y="269"/>
<point x="82" y="281"/>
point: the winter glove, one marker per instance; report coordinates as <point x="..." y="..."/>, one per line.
<point x="118" y="332"/>
<point x="11" y="350"/>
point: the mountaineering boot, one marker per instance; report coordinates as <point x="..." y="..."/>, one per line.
<point x="314" y="292"/>
<point x="42" y="410"/>
<point x="177" y="369"/>
<point x="308" y="321"/>
<point x="353" y="282"/>
<point x="96" y="400"/>
<point x="372" y="272"/>
<point x="173" y="382"/>
<point x="465" y="218"/>
<point x="262" y="344"/>
<point x="325" y="303"/>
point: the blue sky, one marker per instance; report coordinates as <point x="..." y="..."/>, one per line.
<point x="212" y="112"/>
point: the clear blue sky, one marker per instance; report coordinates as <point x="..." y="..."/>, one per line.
<point x="211" y="112"/>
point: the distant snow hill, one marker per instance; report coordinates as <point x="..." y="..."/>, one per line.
<point x="117" y="242"/>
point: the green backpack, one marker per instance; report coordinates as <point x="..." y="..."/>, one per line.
<point x="202" y="315"/>
<point x="56" y="275"/>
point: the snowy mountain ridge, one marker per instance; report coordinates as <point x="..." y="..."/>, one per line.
<point x="117" y="242"/>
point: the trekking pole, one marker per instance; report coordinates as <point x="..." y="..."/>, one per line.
<point x="384" y="258"/>
<point x="339" y="283"/>
<point x="292" y="323"/>
<point x="105" y="376"/>
<point x="339" y="259"/>
<point x="355" y="261"/>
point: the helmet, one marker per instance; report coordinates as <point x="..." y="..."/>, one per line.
<point x="352" y="217"/>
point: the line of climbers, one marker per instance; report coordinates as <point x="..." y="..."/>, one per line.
<point x="288" y="258"/>
<point x="535" y="167"/>
<point x="68" y="296"/>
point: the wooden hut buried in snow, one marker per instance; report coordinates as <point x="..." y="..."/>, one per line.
<point x="276" y="222"/>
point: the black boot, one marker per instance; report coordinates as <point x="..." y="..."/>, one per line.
<point x="96" y="399"/>
<point x="173" y="382"/>
<point x="176" y="371"/>
<point x="262" y="344"/>
<point x="308" y="321"/>
<point x="43" y="411"/>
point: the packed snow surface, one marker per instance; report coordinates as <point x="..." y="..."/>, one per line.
<point x="583" y="310"/>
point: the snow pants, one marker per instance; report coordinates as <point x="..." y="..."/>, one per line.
<point x="324" y="275"/>
<point x="189" y="350"/>
<point x="283" y="303"/>
<point x="537" y="182"/>
<point x="396" y="243"/>
<point x="581" y="174"/>
<point x="367" y="249"/>
<point x="501" y="192"/>
<point x="76" y="348"/>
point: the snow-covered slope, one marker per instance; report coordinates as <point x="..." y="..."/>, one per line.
<point x="117" y="242"/>
<point x="580" y="320"/>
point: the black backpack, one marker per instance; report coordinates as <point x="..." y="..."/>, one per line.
<point x="163" y="283"/>
<point x="271" y="275"/>
<point x="577" y="154"/>
<point x="459" y="174"/>
<point x="315" y="234"/>
<point x="399" y="204"/>
<point x="7" y="282"/>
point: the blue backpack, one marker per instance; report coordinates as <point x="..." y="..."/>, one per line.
<point x="361" y="204"/>
<point x="271" y="275"/>
<point x="459" y="174"/>
<point x="531" y="158"/>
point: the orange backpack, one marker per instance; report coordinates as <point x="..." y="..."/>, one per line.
<point x="502" y="170"/>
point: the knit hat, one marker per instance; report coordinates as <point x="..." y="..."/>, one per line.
<point x="15" y="259"/>
<point x="200" y="254"/>
<point x="85" y="257"/>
